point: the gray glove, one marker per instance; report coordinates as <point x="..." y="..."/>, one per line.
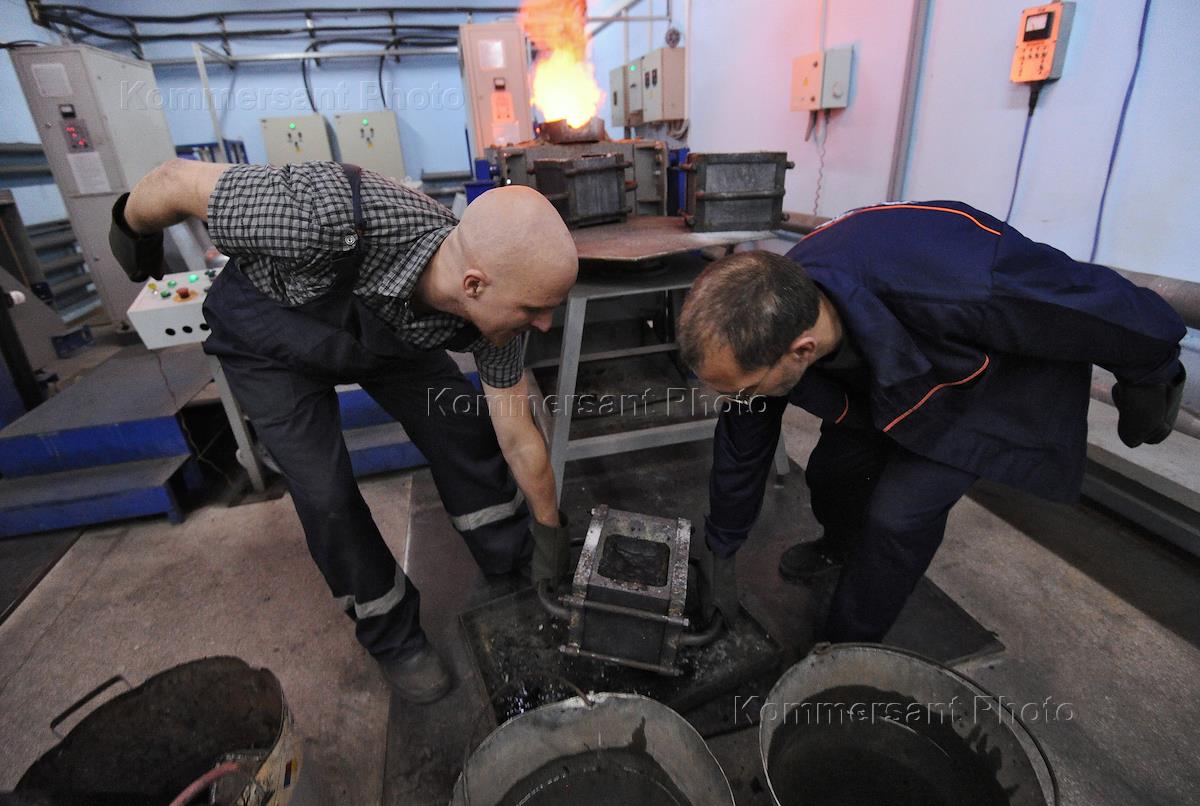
<point x="141" y="256"/>
<point x="1147" y="413"/>
<point x="718" y="585"/>
<point x="551" y="551"/>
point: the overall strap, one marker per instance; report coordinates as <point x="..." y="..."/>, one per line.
<point x="346" y="264"/>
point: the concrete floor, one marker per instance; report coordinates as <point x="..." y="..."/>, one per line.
<point x="1095" y="615"/>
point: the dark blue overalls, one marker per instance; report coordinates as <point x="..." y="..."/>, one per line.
<point x="978" y="345"/>
<point x="283" y="364"/>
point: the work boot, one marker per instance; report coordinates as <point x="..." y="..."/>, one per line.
<point x="804" y="561"/>
<point x="420" y="677"/>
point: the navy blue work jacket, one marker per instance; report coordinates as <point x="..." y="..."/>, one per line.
<point x="979" y="344"/>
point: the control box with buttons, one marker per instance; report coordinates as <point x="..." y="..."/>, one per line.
<point x="663" y="84"/>
<point x="1042" y="42"/>
<point x="168" y="312"/>
<point x="371" y="140"/>
<point x="296" y="138"/>
<point x="821" y="80"/>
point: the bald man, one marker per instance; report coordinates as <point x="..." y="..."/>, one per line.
<point x="341" y="276"/>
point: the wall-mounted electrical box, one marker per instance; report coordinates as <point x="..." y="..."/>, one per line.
<point x="617" y="112"/>
<point x="495" y="64"/>
<point x="299" y="138"/>
<point x="633" y="93"/>
<point x="663" y="87"/>
<point x="1042" y="42"/>
<point x="821" y="80"/>
<point x="100" y="118"/>
<point x="371" y="140"/>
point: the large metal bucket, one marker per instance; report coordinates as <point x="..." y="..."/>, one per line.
<point x="149" y="744"/>
<point x="609" y="748"/>
<point x="862" y="723"/>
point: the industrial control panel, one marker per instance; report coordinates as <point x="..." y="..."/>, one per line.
<point x="100" y="119"/>
<point x="821" y="80"/>
<point x="633" y="93"/>
<point x="297" y="138"/>
<point x="371" y="140"/>
<point x="170" y="311"/>
<point x="1042" y="42"/>
<point x="663" y="85"/>
<point x="617" y="111"/>
<point x="495" y="65"/>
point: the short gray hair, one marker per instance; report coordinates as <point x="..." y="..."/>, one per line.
<point x="755" y="302"/>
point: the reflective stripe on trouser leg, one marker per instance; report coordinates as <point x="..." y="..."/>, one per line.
<point x="380" y="606"/>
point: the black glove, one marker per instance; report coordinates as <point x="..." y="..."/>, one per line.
<point x="718" y="586"/>
<point x="551" y="551"/>
<point x="141" y="256"/>
<point x="1147" y="413"/>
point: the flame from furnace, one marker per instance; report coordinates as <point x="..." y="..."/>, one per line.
<point x="564" y="81"/>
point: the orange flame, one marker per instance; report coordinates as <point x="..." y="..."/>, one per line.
<point x="564" y="81"/>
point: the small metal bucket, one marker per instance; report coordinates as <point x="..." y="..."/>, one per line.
<point x="602" y="749"/>
<point x="862" y="723"/>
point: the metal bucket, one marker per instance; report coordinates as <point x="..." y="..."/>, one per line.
<point x="211" y="722"/>
<point x="862" y="723"/>
<point x="605" y="749"/>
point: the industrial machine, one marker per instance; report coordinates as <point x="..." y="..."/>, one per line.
<point x="495" y="65"/>
<point x="296" y="138"/>
<point x="371" y="140"/>
<point x="102" y="128"/>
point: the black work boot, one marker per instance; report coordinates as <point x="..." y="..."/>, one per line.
<point x="420" y="677"/>
<point x="805" y="561"/>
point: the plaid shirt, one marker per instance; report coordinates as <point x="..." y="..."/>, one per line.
<point x="285" y="224"/>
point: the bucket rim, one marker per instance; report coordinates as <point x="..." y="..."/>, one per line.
<point x="1034" y="748"/>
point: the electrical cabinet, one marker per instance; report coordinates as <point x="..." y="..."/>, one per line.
<point x="298" y="138"/>
<point x="495" y="65"/>
<point x="617" y="111"/>
<point x="821" y="80"/>
<point x="100" y="118"/>
<point x="663" y="85"/>
<point x="633" y="93"/>
<point x="371" y="140"/>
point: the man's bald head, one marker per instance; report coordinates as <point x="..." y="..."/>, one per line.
<point x="517" y="259"/>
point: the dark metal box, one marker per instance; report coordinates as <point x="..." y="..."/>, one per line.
<point x="629" y="588"/>
<point x="735" y="191"/>
<point x="586" y="189"/>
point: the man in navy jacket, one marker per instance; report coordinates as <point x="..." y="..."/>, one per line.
<point x="938" y="345"/>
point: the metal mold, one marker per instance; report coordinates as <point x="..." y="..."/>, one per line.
<point x="735" y="191"/>
<point x="626" y="602"/>
<point x="558" y="131"/>
<point x="587" y="189"/>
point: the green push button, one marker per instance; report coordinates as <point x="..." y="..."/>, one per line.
<point x="165" y="294"/>
<point x="193" y="278"/>
<point x="171" y="283"/>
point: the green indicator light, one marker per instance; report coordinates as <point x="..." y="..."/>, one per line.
<point x="291" y="125"/>
<point x="165" y="294"/>
<point x="366" y="122"/>
<point x="171" y="283"/>
<point x="632" y="68"/>
<point x="193" y="278"/>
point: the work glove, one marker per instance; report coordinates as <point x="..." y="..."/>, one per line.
<point x="551" y="552"/>
<point x="141" y="256"/>
<point x="718" y="586"/>
<point x="1147" y="413"/>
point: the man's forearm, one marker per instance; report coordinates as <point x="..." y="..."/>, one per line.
<point x="171" y="193"/>
<point x="530" y="465"/>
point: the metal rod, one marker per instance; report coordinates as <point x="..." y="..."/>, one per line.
<point x="302" y="56"/>
<point x="198" y="51"/>
<point x="621" y="610"/>
<point x="571" y="649"/>
<point x="902" y="145"/>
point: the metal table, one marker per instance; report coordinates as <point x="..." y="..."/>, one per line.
<point x="639" y="241"/>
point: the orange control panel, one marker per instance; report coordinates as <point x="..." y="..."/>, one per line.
<point x="1042" y="42"/>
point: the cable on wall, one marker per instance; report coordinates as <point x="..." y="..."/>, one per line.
<point x="1035" y="91"/>
<point x="1112" y="157"/>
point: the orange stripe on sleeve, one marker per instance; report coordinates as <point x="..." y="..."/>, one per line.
<point x="986" y="360"/>
<point x="845" y="410"/>
<point x="967" y="216"/>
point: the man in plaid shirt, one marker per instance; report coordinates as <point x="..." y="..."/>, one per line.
<point x="342" y="276"/>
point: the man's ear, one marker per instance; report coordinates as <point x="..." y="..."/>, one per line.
<point x="803" y="346"/>
<point x="473" y="283"/>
